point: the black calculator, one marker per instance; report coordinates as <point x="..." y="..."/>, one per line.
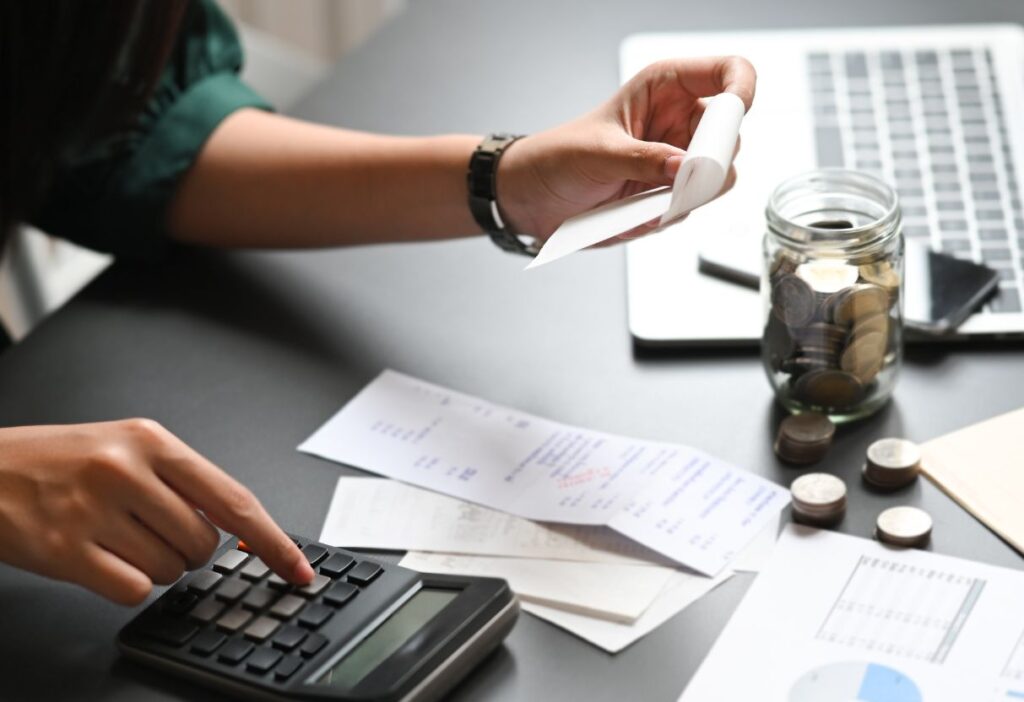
<point x="361" y="630"/>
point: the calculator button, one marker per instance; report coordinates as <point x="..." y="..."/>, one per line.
<point x="259" y="598"/>
<point x="278" y="583"/>
<point x="288" y="637"/>
<point x="262" y="628"/>
<point x="170" y="631"/>
<point x="287" y="667"/>
<point x="315" y="587"/>
<point x="207" y="610"/>
<point x="337" y="564"/>
<point x="313" y="644"/>
<point x="363" y="573"/>
<point x="235" y="651"/>
<point x="204" y="581"/>
<point x="231" y="590"/>
<point x="234" y="620"/>
<point x="315" y="615"/>
<point x="263" y="660"/>
<point x="314" y="553"/>
<point x="287" y="606"/>
<point x="230" y="561"/>
<point x="254" y="569"/>
<point x="208" y="642"/>
<point x="242" y="546"/>
<point x="340" y="594"/>
<point x="180" y="602"/>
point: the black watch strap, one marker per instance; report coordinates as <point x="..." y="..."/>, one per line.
<point x="482" y="182"/>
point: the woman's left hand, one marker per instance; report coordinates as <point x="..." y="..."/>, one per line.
<point x="633" y="142"/>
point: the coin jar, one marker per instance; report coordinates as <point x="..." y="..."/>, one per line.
<point x="831" y="288"/>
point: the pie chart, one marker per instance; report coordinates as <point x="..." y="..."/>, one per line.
<point x="854" y="681"/>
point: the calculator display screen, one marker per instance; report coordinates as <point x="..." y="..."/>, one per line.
<point x="399" y="628"/>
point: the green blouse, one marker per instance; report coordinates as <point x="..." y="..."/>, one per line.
<point x="115" y="196"/>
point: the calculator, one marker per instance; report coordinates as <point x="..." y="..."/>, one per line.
<point x="362" y="630"/>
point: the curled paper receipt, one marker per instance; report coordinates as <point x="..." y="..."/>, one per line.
<point x="700" y="178"/>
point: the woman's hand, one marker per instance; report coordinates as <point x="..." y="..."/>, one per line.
<point x="118" y="506"/>
<point x="633" y="142"/>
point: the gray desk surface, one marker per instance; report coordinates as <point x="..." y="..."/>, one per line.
<point x="243" y="355"/>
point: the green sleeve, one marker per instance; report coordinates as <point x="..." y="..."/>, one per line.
<point x="114" y="197"/>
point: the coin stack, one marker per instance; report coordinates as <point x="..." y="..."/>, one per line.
<point x="804" y="438"/>
<point x="830" y="329"/>
<point x="819" y="499"/>
<point x="892" y="464"/>
<point x="904" y="526"/>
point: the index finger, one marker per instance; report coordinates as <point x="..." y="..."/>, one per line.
<point x="233" y="507"/>
<point x="710" y="75"/>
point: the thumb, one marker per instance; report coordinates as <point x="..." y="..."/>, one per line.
<point x="651" y="162"/>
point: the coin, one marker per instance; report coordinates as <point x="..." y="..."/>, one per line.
<point x="820" y="334"/>
<point x="873" y="323"/>
<point x="892" y="463"/>
<point x="880" y="273"/>
<point x="865" y="356"/>
<point x="904" y="526"/>
<point x="825" y="276"/>
<point x="818" y="499"/>
<point x="776" y="339"/>
<point x="829" y="388"/>
<point x="858" y="302"/>
<point x="804" y="438"/>
<point x="793" y="301"/>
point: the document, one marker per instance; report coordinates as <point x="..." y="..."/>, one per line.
<point x="982" y="468"/>
<point x="835" y="617"/>
<point x="693" y="508"/>
<point x="376" y="513"/>
<point x="681" y="591"/>
<point x="609" y="591"/>
<point x="700" y="178"/>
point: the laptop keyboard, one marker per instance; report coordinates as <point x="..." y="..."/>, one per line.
<point x="930" y="122"/>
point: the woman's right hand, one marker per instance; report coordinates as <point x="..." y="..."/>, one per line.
<point x="119" y="506"/>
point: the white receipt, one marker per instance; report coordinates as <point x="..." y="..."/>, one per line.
<point x="700" y="178"/>
<point x="681" y="502"/>
<point x="681" y="591"/>
<point x="376" y="513"/>
<point x="608" y="591"/>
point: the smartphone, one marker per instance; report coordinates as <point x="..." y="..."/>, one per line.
<point x="939" y="291"/>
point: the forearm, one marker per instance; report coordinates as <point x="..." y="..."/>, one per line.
<point x="264" y="180"/>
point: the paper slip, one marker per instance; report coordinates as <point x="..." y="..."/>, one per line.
<point x="835" y="617"/>
<point x="681" y="591"/>
<point x="377" y="513"/>
<point x="611" y="591"/>
<point x="982" y="468"/>
<point x="700" y="178"/>
<point x="679" y="501"/>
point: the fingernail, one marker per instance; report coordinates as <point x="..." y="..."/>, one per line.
<point x="672" y="164"/>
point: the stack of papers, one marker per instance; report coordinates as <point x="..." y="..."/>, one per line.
<point x="590" y="581"/>
<point x="692" y="508"/>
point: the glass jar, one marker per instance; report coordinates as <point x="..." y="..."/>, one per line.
<point x="832" y="292"/>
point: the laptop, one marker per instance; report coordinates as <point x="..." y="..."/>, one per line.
<point x="938" y="112"/>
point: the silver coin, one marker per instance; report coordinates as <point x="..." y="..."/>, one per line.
<point x="818" y="490"/>
<point x="894" y="454"/>
<point x="904" y="526"/>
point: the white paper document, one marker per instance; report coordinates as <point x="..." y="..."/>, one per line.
<point x="835" y="617"/>
<point x="611" y="591"/>
<point x="700" y="178"/>
<point x="681" y="502"/>
<point x="680" y="592"/>
<point x="377" y="513"/>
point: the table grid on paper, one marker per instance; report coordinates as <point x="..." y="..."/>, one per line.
<point x="901" y="609"/>
<point x="1015" y="665"/>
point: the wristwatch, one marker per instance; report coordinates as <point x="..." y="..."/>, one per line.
<point x="482" y="181"/>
